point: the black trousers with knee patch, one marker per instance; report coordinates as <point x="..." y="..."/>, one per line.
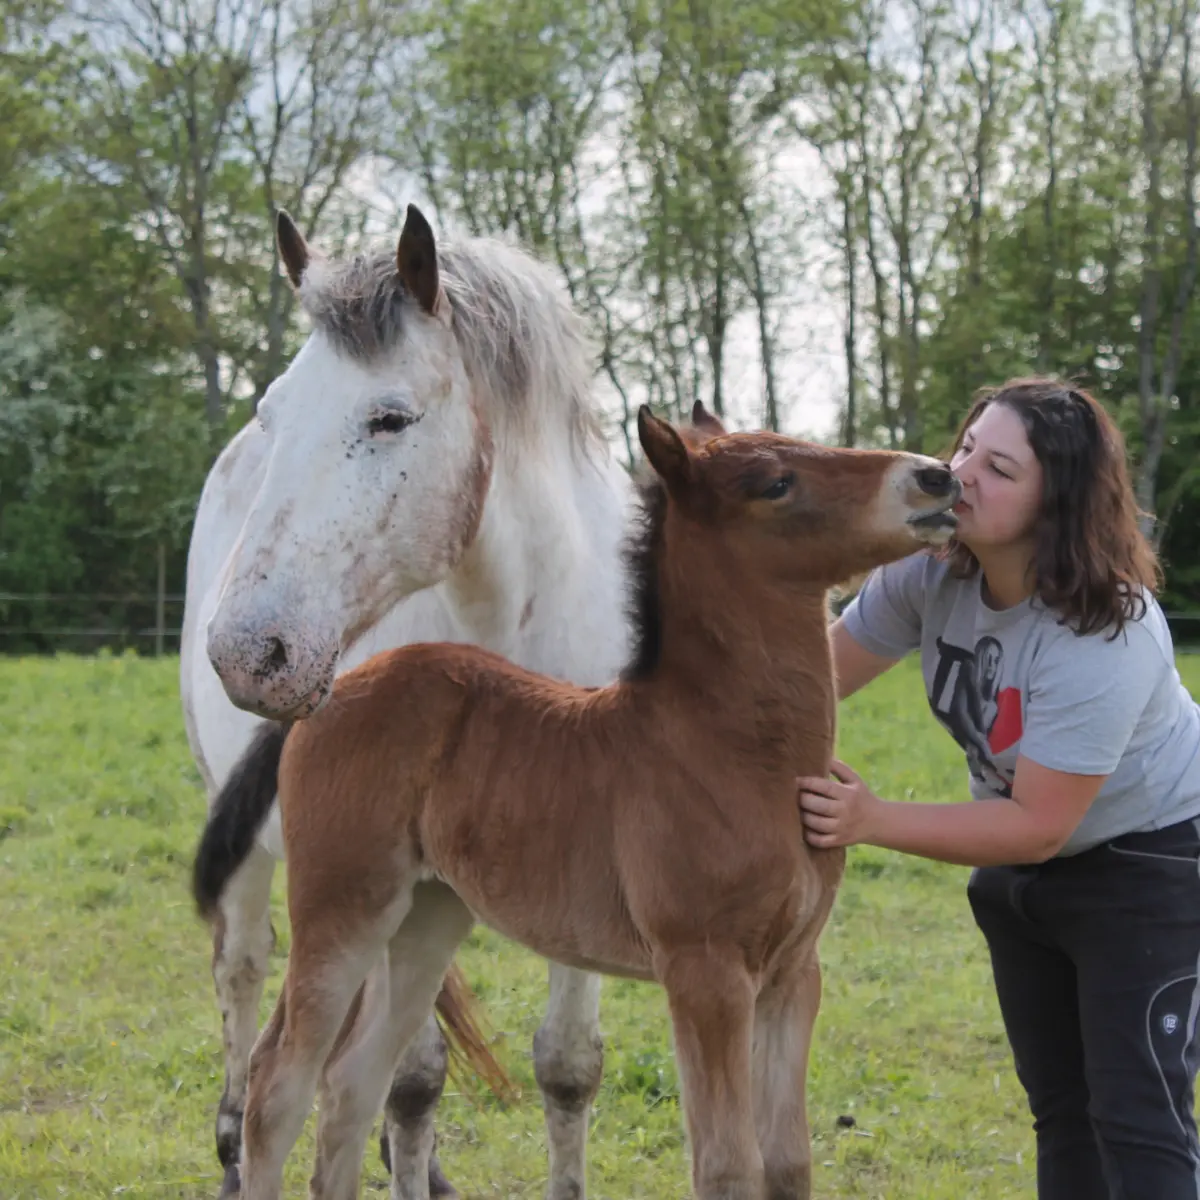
<point x="1095" y="960"/>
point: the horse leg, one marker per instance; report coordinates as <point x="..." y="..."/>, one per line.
<point x="242" y="943"/>
<point x="783" y="1024"/>
<point x="711" y="997"/>
<point x="400" y="993"/>
<point x="329" y="960"/>
<point x="408" y="1142"/>
<point x="568" y="1059"/>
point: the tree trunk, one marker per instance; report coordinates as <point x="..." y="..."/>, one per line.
<point x="849" y="248"/>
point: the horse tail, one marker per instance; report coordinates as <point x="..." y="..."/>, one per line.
<point x="458" y="1010"/>
<point x="240" y="810"/>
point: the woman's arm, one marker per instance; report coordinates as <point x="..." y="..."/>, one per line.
<point x="1045" y="808"/>
<point x="853" y="665"/>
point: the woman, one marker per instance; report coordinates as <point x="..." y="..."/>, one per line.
<point x="1047" y="658"/>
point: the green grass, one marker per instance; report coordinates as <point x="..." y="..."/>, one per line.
<point x="110" y="1059"/>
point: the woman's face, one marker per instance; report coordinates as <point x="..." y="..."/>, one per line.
<point x="1001" y="478"/>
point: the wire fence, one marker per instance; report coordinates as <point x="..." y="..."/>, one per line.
<point x="149" y="623"/>
<point x="52" y="622"/>
<point x="1185" y="631"/>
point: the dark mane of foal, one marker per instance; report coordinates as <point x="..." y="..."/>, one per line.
<point x="642" y="549"/>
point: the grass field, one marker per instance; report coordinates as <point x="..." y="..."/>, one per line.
<point x="110" y="1042"/>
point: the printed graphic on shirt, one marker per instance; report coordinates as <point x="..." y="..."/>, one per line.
<point x="981" y="716"/>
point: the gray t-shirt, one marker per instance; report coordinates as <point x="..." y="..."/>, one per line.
<point x="1015" y="681"/>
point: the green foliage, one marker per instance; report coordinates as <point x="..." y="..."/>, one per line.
<point x="989" y="178"/>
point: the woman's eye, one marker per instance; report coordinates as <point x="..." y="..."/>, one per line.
<point x="1002" y="474"/>
<point x="391" y="421"/>
<point x="778" y="489"/>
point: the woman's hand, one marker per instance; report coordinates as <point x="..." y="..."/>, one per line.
<point x="837" y="812"/>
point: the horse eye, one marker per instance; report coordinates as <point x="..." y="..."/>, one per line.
<point x="779" y="488"/>
<point x="391" y="420"/>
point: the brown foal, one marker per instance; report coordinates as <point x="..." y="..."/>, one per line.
<point x="648" y="829"/>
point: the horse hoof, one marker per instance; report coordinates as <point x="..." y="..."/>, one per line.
<point x="440" y="1188"/>
<point x="439" y="1185"/>
<point x="231" y="1185"/>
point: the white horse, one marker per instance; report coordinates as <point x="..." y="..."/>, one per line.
<point x="429" y="467"/>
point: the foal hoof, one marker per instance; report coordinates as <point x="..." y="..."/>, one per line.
<point x="231" y="1185"/>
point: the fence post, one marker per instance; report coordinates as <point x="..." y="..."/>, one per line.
<point x="160" y="601"/>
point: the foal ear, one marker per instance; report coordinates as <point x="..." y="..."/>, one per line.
<point x="704" y="421"/>
<point x="664" y="448"/>
<point x="293" y="249"/>
<point x="416" y="260"/>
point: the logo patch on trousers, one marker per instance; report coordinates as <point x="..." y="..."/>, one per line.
<point x="1170" y="1022"/>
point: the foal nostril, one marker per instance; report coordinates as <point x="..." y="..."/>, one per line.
<point x="935" y="481"/>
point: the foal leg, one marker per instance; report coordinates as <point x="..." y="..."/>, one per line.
<point x="408" y="1143"/>
<point x="242" y="944"/>
<point x="711" y="997"/>
<point x="400" y="994"/>
<point x="328" y="962"/>
<point x="568" y="1059"/>
<point x="783" y="1026"/>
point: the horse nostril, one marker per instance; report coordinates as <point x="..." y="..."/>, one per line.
<point x="276" y="657"/>
<point x="935" y="481"/>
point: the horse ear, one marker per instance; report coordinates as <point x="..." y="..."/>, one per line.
<point x="416" y="259"/>
<point x="704" y="421"/>
<point x="665" y="449"/>
<point x="293" y="249"/>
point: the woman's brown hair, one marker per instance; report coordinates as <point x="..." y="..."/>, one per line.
<point x="1091" y="561"/>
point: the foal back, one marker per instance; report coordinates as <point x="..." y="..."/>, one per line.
<point x="579" y="822"/>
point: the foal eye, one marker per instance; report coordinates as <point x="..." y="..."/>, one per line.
<point x="391" y="420"/>
<point x="779" y="488"/>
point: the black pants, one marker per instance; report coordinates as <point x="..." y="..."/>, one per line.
<point x="1095" y="960"/>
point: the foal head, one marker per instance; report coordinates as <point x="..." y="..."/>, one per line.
<point x="795" y="513"/>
